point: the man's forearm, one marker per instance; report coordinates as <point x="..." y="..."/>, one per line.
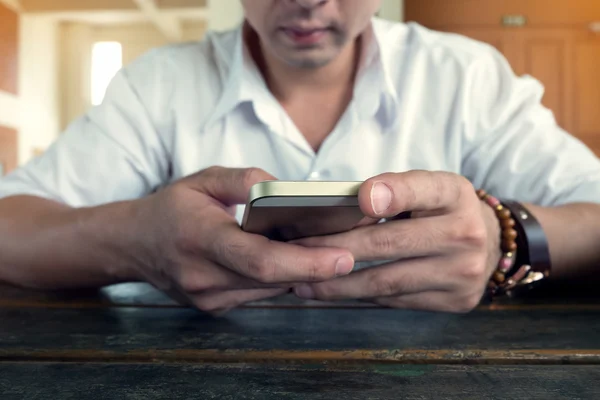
<point x="573" y="233"/>
<point x="47" y="245"/>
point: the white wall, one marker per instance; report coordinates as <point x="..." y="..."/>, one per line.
<point x="224" y="14"/>
<point x="392" y="10"/>
<point x="75" y="67"/>
<point x="38" y="84"/>
<point x="10" y="110"/>
<point x="77" y="40"/>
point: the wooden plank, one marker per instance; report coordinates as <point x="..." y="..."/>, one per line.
<point x="9" y="49"/>
<point x="539" y="13"/>
<point x="300" y="335"/>
<point x="559" y="295"/>
<point x="139" y="381"/>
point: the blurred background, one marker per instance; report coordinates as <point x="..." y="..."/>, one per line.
<point x="57" y="56"/>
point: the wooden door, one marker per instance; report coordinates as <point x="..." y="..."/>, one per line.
<point x="546" y="54"/>
<point x="555" y="41"/>
<point x="8" y="149"/>
<point x="9" y="32"/>
<point x="585" y="89"/>
<point x="9" y="38"/>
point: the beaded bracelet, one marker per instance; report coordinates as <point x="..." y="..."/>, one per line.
<point x="507" y="275"/>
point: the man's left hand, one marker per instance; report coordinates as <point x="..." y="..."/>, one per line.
<point x="443" y="256"/>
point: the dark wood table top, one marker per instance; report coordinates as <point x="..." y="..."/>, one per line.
<point x="131" y="341"/>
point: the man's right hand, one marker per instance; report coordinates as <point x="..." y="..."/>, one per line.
<point x="191" y="246"/>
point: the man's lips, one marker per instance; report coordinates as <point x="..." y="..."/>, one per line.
<point x="305" y="36"/>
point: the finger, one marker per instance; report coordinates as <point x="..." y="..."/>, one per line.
<point x="394" y="279"/>
<point x="218" y="302"/>
<point x="390" y="194"/>
<point x="366" y="221"/>
<point x="395" y="240"/>
<point x="209" y="276"/>
<point x="230" y="186"/>
<point x="258" y="258"/>
<point x="436" y="301"/>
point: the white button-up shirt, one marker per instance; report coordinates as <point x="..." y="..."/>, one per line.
<point x="422" y="100"/>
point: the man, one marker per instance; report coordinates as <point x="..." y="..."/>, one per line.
<point x="306" y="89"/>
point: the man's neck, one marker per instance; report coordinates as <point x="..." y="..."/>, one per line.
<point x="286" y="81"/>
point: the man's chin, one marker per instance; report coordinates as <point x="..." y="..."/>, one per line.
<point x="308" y="62"/>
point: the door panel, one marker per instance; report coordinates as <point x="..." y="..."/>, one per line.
<point x="586" y="110"/>
<point x="559" y="44"/>
<point x="8" y="149"/>
<point x="9" y="31"/>
<point x="546" y="55"/>
<point x="477" y="13"/>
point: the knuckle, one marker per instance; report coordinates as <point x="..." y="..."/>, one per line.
<point x="225" y="247"/>
<point x="469" y="231"/>
<point x="465" y="186"/>
<point x="439" y="189"/>
<point x="316" y="271"/>
<point x="382" y="285"/>
<point x="382" y="243"/>
<point x="477" y="235"/>
<point x="466" y="304"/>
<point x="474" y="270"/>
<point x="251" y="176"/>
<point x="261" y="268"/>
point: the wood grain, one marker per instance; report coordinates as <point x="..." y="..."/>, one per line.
<point x="554" y="295"/>
<point x="8" y="147"/>
<point x="302" y="335"/>
<point x="539" y="13"/>
<point x="380" y="381"/>
<point x="9" y="47"/>
<point x="557" y="46"/>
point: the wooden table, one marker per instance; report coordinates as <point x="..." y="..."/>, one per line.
<point x="131" y="342"/>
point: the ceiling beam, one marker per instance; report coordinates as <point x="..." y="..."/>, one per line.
<point x="14" y="5"/>
<point x="170" y="27"/>
<point x="181" y="3"/>
<point x="39" y="6"/>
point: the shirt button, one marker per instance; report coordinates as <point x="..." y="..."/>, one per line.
<point x="314" y="175"/>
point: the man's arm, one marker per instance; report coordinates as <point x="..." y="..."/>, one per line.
<point x="48" y="245"/>
<point x="515" y="150"/>
<point x="573" y="233"/>
<point x="182" y="239"/>
<point x="51" y="233"/>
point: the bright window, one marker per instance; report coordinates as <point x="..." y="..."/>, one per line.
<point x="107" y="60"/>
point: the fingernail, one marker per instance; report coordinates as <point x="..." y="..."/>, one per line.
<point x="344" y="266"/>
<point x="305" y="292"/>
<point x="381" y="197"/>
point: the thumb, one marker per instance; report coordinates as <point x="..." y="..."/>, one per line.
<point x="230" y="186"/>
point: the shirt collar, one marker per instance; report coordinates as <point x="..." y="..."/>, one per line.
<point x="374" y="91"/>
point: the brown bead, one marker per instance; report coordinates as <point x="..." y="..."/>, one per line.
<point x="492" y="285"/>
<point x="481" y="193"/>
<point x="507" y="223"/>
<point x="509" y="245"/>
<point x="499" y="277"/>
<point x="504" y="214"/>
<point x="509" y="234"/>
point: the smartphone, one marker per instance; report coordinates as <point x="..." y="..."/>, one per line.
<point x="288" y="210"/>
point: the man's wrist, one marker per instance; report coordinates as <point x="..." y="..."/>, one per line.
<point x="112" y="240"/>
